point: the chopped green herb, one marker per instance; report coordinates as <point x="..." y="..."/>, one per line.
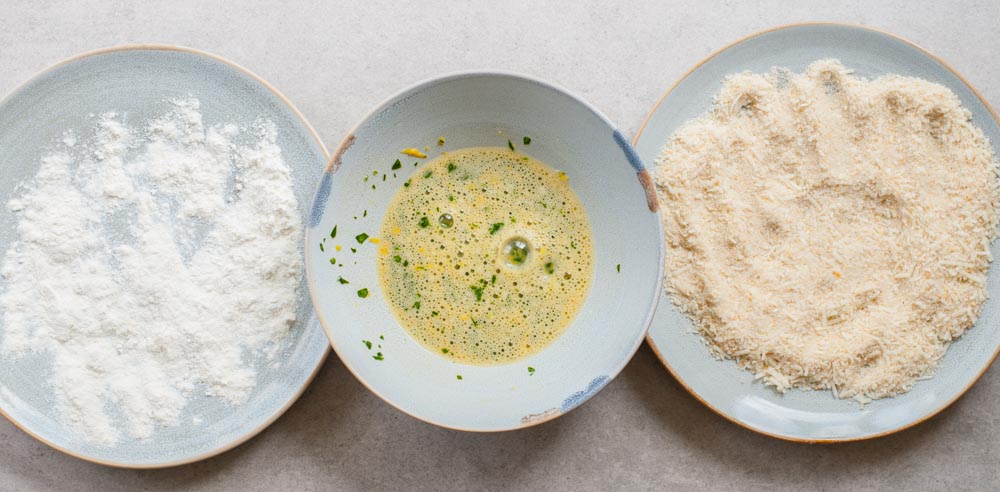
<point x="365" y="214"/>
<point x="373" y="187"/>
<point x="406" y="184"/>
<point x="396" y="165"/>
<point x="363" y="293"/>
<point x="531" y="371"/>
<point x="361" y="238"/>
<point x="367" y="344"/>
<point x="381" y="337"/>
<point x="321" y="248"/>
<point x="397" y="258"/>
<point x="478" y="291"/>
<point x="474" y="323"/>
<point x="366" y="179"/>
<point x="383" y="177"/>
<point x="378" y="356"/>
<point x="354" y="250"/>
<point x="406" y="262"/>
<point x="428" y="174"/>
<point x="513" y="220"/>
<point x="549" y="268"/>
<point x="342" y="280"/>
<point x="619" y="268"/>
<point x="459" y="377"/>
<point x="424" y="222"/>
<point x="333" y="233"/>
<point x="444" y="351"/>
<point x="375" y="173"/>
<point x="440" y="140"/>
<point x="451" y="166"/>
<point x="495" y="227"/>
<point x="572" y="244"/>
<point x="333" y="261"/>
<point x="493" y="279"/>
<point x="416" y="305"/>
<point x="527" y="140"/>
<point x="509" y="144"/>
<point x="434" y="313"/>
<point x="451" y="198"/>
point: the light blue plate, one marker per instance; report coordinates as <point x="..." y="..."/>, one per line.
<point x="139" y="80"/>
<point x="808" y="415"/>
<point x="487" y="109"/>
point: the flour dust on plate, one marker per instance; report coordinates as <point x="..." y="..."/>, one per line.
<point x="154" y="263"/>
<point x="486" y="255"/>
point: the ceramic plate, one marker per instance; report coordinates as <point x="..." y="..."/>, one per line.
<point x="730" y="391"/>
<point x="471" y="110"/>
<point x="139" y="81"/>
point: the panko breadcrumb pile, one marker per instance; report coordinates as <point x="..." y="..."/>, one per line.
<point x="827" y="231"/>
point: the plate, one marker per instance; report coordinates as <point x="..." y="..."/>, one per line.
<point x="138" y="80"/>
<point x="474" y="109"/>
<point x="814" y="416"/>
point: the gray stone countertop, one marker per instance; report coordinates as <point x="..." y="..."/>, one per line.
<point x="335" y="61"/>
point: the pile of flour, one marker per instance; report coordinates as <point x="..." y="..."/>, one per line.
<point x="153" y="264"/>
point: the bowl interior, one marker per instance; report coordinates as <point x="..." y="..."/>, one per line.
<point x="138" y="83"/>
<point x="813" y="415"/>
<point x="485" y="110"/>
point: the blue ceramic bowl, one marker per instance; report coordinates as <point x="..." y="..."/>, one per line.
<point x="814" y="416"/>
<point x="139" y="81"/>
<point x="486" y="109"/>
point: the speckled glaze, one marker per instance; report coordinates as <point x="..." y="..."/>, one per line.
<point x="471" y="110"/>
<point x="808" y="415"/>
<point x="137" y="81"/>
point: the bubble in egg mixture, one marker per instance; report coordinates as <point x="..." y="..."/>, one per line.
<point x="515" y="251"/>
<point x="508" y="267"/>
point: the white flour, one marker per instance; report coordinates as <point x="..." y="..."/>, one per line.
<point x="152" y="264"/>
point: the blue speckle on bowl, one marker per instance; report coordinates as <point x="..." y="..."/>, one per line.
<point x="319" y="203"/>
<point x="630" y="153"/>
<point x="582" y="396"/>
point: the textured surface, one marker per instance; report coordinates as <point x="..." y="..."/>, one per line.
<point x="643" y="431"/>
<point x="800" y="414"/>
<point x="109" y="81"/>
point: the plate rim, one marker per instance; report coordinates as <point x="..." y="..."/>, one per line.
<point x="326" y="154"/>
<point x="333" y="166"/>
<point x="652" y="344"/>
